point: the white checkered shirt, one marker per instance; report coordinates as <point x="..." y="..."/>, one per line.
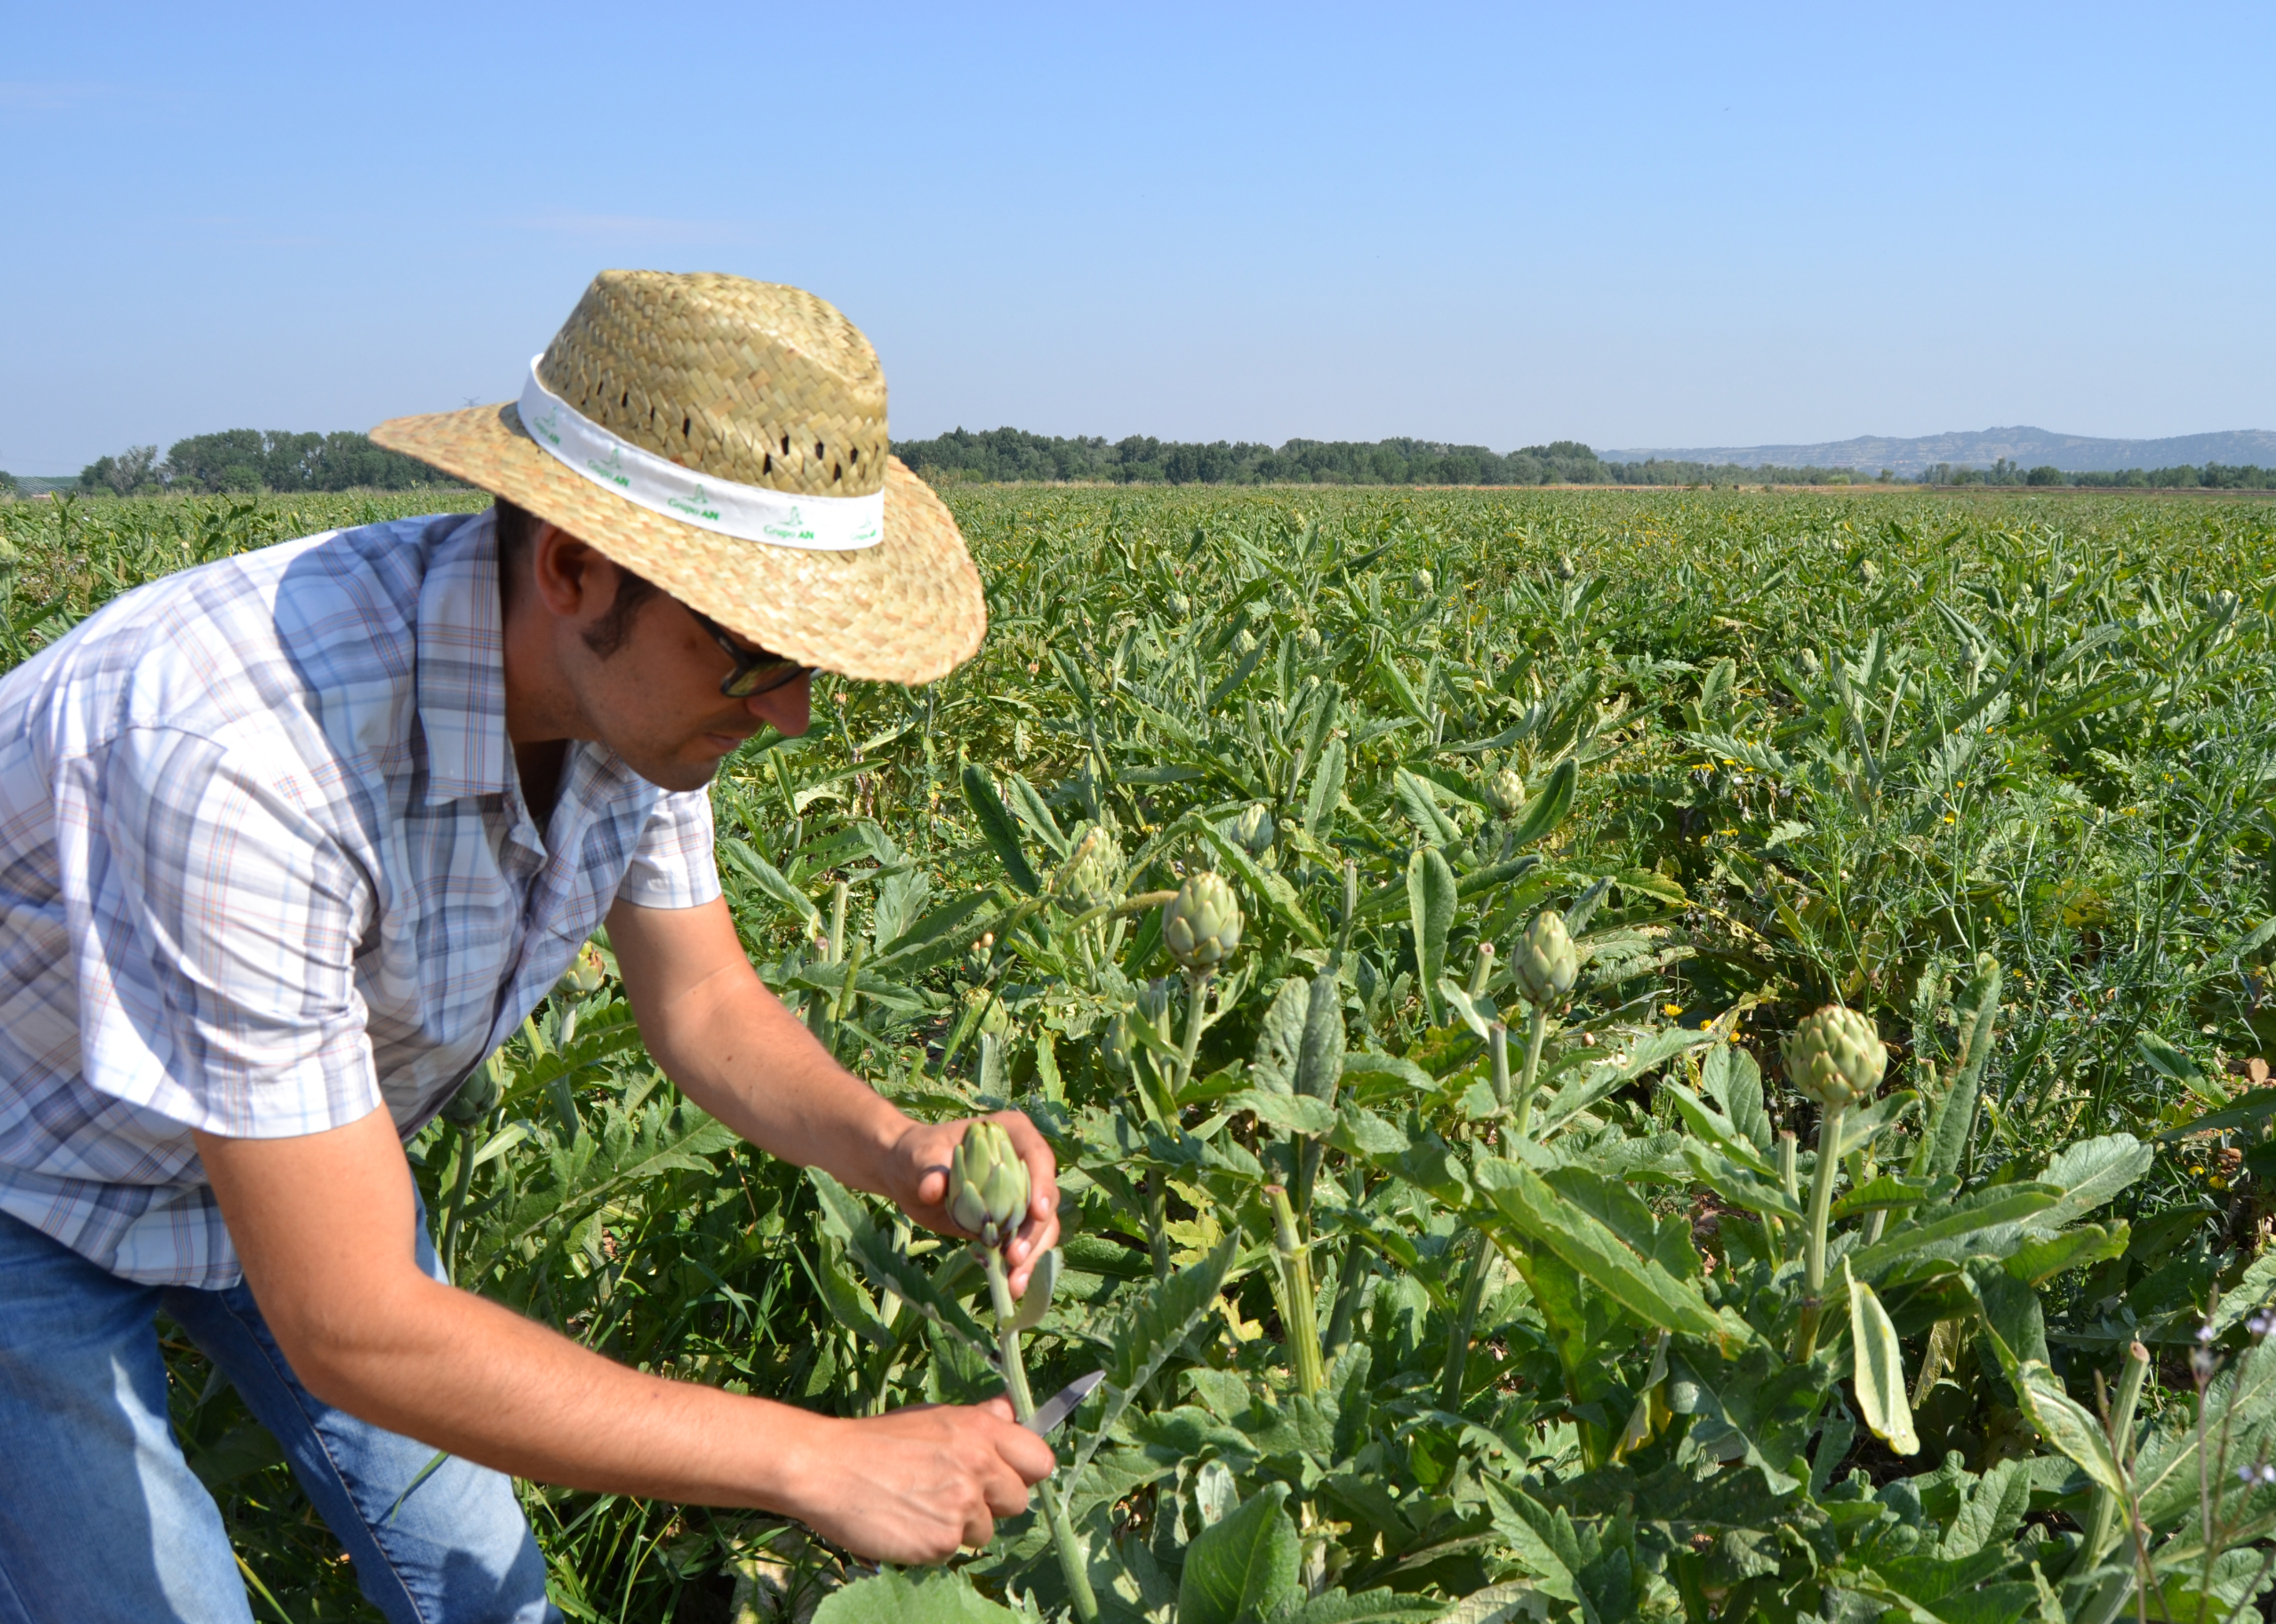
<point x="265" y="864"/>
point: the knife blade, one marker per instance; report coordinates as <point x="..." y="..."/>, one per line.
<point x="1062" y="1404"/>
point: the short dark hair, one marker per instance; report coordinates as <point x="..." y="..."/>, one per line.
<point x="517" y="532"/>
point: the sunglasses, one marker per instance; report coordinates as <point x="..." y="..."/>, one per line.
<point x="756" y="670"/>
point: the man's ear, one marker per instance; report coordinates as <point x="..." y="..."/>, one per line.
<point x="571" y="579"/>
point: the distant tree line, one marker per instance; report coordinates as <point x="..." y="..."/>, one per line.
<point x="1013" y="454"/>
<point x="250" y="460"/>
<point x="2212" y="476"/>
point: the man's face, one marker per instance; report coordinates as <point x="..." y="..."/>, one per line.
<point x="656" y="700"/>
<point x="654" y="697"/>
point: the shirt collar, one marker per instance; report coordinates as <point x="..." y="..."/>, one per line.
<point x="461" y="653"/>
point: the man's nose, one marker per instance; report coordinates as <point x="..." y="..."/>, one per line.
<point x="785" y="708"/>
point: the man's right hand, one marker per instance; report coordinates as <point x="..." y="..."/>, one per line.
<point x="913" y="1486"/>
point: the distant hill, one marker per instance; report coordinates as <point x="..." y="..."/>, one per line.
<point x="2074" y="453"/>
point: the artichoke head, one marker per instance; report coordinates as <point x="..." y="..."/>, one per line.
<point x="585" y="973"/>
<point x="1545" y="963"/>
<point x="1179" y="607"/>
<point x="1201" y="925"/>
<point x="1092" y="875"/>
<point x="1835" y="1058"/>
<point x="1252" y="830"/>
<point x="1422" y="583"/>
<point x="987" y="1185"/>
<point x="1505" y="793"/>
<point x="475" y="1098"/>
<point x="1308" y="641"/>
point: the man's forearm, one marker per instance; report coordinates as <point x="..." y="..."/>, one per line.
<point x="450" y="1370"/>
<point x="757" y="1069"/>
<point x="732" y="1047"/>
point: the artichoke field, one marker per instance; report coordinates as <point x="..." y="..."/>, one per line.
<point x="1608" y="1062"/>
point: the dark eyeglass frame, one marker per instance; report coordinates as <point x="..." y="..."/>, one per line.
<point x="754" y="674"/>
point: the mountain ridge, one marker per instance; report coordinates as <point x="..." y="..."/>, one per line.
<point x="2025" y="446"/>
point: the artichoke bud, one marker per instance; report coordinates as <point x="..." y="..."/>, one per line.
<point x="1422" y="583"/>
<point x="1505" y="793"/>
<point x="475" y="1098"/>
<point x="1179" y="607"/>
<point x="1545" y="963"/>
<point x="1308" y="641"/>
<point x="1835" y="1058"/>
<point x="585" y="974"/>
<point x="1092" y="875"/>
<point x="1565" y="569"/>
<point x="1201" y="925"/>
<point x="1252" y="830"/>
<point x="1243" y="643"/>
<point x="987" y="1185"/>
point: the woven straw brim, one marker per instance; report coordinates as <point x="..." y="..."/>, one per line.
<point x="908" y="610"/>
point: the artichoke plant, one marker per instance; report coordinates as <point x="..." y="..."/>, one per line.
<point x="1201" y="925"/>
<point x="988" y="1197"/>
<point x="1422" y="583"/>
<point x="1544" y="965"/>
<point x="1835" y="1059"/>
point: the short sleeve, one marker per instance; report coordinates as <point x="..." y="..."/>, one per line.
<point x="214" y="933"/>
<point x="674" y="866"/>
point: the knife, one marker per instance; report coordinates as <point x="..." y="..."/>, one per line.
<point x="1062" y="1404"/>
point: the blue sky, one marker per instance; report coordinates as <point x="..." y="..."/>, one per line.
<point x="1634" y="225"/>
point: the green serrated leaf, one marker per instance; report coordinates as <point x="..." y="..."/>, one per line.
<point x="997" y="827"/>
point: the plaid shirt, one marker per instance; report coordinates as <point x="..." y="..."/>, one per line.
<point x="265" y="864"/>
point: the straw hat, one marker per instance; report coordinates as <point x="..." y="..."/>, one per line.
<point x="758" y="410"/>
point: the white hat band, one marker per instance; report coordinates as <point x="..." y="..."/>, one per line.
<point x="820" y="524"/>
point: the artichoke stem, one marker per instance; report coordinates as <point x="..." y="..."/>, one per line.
<point x="1473" y="1295"/>
<point x="1196" y="998"/>
<point x="1157" y="1224"/>
<point x="1073" y="1559"/>
<point x="1829" y="1162"/>
<point x="1536" y="1030"/>
<point x="1302" y="1302"/>
<point x="1498" y="1046"/>
<point x="457" y="1210"/>
<point x="2105" y="1511"/>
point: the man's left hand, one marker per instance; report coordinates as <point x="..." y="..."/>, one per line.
<point x="919" y="1182"/>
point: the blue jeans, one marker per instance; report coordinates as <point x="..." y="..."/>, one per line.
<point x="101" y="1518"/>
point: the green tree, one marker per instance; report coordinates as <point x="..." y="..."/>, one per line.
<point x="123" y="474"/>
<point x="2044" y="474"/>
